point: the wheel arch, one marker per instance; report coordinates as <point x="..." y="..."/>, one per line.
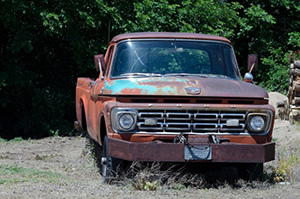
<point x="102" y="130"/>
<point x="83" y="115"/>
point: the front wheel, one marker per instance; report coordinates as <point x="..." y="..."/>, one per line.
<point x="250" y="171"/>
<point x="109" y="165"/>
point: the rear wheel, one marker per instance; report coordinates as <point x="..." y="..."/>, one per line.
<point x="109" y="165"/>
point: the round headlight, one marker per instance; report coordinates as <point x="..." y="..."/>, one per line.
<point x="257" y="123"/>
<point x="126" y="121"/>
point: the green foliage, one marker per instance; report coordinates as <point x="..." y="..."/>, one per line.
<point x="277" y="77"/>
<point x="294" y="39"/>
<point x="208" y="16"/>
<point x="46" y="45"/>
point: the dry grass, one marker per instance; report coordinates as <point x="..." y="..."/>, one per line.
<point x="151" y="176"/>
<point x="155" y="176"/>
<point x="286" y="168"/>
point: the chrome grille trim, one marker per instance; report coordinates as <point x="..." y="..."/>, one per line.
<point x="150" y="114"/>
<point x="206" y="116"/>
<point x="141" y="126"/>
<point x="170" y="121"/>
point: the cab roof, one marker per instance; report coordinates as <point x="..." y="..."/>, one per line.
<point x="167" y="35"/>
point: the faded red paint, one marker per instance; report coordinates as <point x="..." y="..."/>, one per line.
<point x="132" y="91"/>
<point x="98" y="97"/>
<point x="210" y="87"/>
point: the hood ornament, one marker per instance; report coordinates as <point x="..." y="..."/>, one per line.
<point x="192" y="90"/>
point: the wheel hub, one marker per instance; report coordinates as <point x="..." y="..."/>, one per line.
<point x="103" y="161"/>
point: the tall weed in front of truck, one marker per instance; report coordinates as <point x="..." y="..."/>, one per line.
<point x="286" y="168"/>
<point x="154" y="176"/>
<point x="146" y="176"/>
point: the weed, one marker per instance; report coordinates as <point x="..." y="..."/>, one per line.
<point x="149" y="176"/>
<point x="17" y="139"/>
<point x="274" y="139"/>
<point x="54" y="132"/>
<point x="154" y="176"/>
<point x="288" y="162"/>
<point x="144" y="185"/>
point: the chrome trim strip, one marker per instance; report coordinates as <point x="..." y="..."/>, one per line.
<point x="191" y="125"/>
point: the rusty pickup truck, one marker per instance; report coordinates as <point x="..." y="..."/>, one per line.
<point x="174" y="97"/>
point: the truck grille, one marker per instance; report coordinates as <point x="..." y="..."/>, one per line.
<point x="191" y="121"/>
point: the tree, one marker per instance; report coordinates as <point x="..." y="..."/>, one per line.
<point x="46" y="45"/>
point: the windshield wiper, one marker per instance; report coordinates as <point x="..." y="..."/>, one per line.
<point x="142" y="74"/>
<point x="222" y="76"/>
<point x="185" y="74"/>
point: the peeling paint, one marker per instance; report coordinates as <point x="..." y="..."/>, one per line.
<point x="160" y="86"/>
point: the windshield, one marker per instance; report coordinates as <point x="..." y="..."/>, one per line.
<point x="178" y="58"/>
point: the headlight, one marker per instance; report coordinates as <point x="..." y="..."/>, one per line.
<point x="123" y="120"/>
<point x="258" y="122"/>
<point x="126" y="121"/>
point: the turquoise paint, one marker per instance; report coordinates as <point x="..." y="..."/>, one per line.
<point x="145" y="86"/>
<point x="118" y="85"/>
<point x="168" y="90"/>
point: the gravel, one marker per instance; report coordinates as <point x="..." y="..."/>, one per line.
<point x="63" y="167"/>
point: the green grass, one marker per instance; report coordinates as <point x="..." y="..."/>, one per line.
<point x="15" y="174"/>
<point x="16" y="139"/>
<point x="298" y="126"/>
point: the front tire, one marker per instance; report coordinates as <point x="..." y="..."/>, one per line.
<point x="250" y="171"/>
<point x="109" y="165"/>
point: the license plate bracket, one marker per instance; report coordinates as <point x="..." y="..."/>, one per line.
<point x="202" y="152"/>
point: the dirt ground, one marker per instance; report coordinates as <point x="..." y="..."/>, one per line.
<point x="62" y="167"/>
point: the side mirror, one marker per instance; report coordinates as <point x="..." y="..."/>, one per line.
<point x="252" y="62"/>
<point x="248" y="77"/>
<point x="99" y="63"/>
<point x="252" y="66"/>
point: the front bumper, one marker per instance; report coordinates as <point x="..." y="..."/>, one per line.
<point x="176" y="152"/>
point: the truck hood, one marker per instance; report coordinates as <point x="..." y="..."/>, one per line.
<point x="180" y="86"/>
